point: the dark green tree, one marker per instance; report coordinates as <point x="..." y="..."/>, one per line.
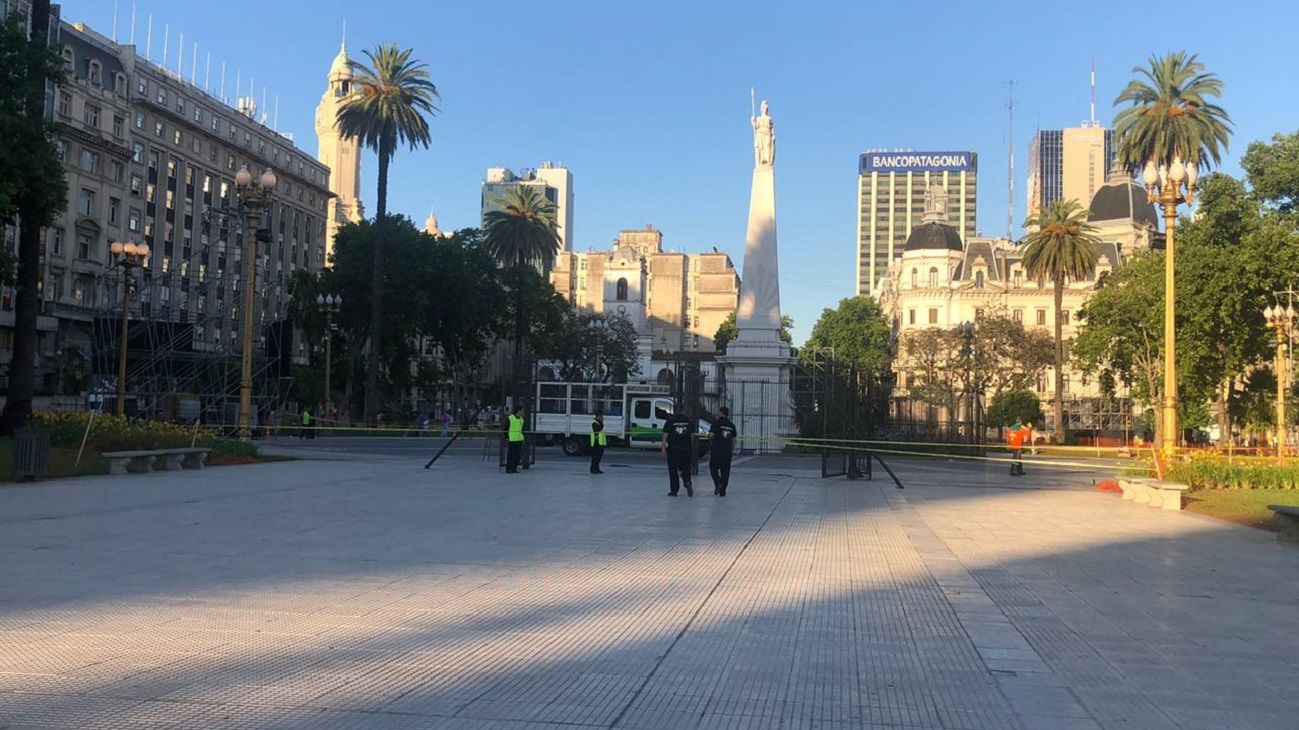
<point x="580" y="344"/>
<point x="1273" y="170"/>
<point x="1014" y="406"/>
<point x="32" y="185"/>
<point x="391" y="97"/>
<point x="858" y="332"/>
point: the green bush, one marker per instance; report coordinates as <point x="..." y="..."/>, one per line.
<point x="1206" y="474"/>
<point x="112" y="433"/>
<point x="1014" y="405"/>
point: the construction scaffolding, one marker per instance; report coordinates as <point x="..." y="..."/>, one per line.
<point x="185" y="339"/>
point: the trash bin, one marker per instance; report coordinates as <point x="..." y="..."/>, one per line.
<point x="31" y="453"/>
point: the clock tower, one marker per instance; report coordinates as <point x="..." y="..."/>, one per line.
<point x="341" y="154"/>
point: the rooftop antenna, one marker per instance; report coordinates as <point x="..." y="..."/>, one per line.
<point x="1010" y="178"/>
<point x="180" y="58"/>
<point x="1093" y="110"/>
<point x="115" y="21"/>
<point x="207" y="74"/>
<point x="193" y="65"/>
<point x="148" y="40"/>
<point x="132" y="23"/>
<point x="166" y="34"/>
<point x="222" y="95"/>
<point x="275" y="125"/>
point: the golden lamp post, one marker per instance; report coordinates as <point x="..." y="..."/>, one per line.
<point x="254" y="197"/>
<point x="1170" y="183"/>
<point x="329" y="304"/>
<point x="129" y="256"/>
<point x="1282" y="320"/>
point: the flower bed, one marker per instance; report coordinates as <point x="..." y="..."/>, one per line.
<point x="1240" y="473"/>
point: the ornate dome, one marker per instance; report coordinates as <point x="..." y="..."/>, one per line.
<point x="342" y="65"/>
<point x="1121" y="198"/>
<point x="934" y="236"/>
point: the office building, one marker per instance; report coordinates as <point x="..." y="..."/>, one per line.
<point x="1068" y="164"/>
<point x="555" y="183"/>
<point x="150" y="157"/>
<point x="891" y="187"/>
<point x="684" y="297"/>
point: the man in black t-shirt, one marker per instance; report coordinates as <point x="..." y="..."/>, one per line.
<point x="722" y="435"/>
<point x="678" y="440"/>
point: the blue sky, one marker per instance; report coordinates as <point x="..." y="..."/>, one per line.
<point x="647" y="102"/>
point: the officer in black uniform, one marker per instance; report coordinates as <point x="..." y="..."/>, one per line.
<point x="678" y="440"/>
<point x="722" y="435"/>
<point x="598" y="442"/>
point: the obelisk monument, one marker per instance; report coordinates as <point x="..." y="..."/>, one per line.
<point x="758" y="363"/>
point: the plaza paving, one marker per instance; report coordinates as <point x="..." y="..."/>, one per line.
<point x="366" y="592"/>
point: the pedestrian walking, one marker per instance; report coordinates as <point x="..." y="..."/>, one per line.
<point x="678" y="442"/>
<point x="306" y="424"/>
<point x="514" y="451"/>
<point x="598" y="441"/>
<point x="722" y="435"/>
<point x="1015" y="442"/>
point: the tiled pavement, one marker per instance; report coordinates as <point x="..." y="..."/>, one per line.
<point x="351" y="594"/>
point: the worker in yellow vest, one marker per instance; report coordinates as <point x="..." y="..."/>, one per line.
<point x="514" y="451"/>
<point x="598" y="442"/>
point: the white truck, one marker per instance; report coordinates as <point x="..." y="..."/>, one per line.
<point x="633" y="413"/>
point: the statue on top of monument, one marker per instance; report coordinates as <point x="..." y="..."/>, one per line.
<point x="764" y="138"/>
<point x="935" y="204"/>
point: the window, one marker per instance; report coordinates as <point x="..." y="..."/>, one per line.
<point x="133" y="220"/>
<point x="137" y="152"/>
<point x="139" y="121"/>
<point x="162" y="96"/>
<point x="87" y="206"/>
<point x="142" y="87"/>
<point x="621" y="294"/>
<point x="933" y="278"/>
<point x="119" y="84"/>
<point x="198" y="115"/>
<point x="978" y="279"/>
<point x="911" y="316"/>
<point x="62" y="148"/>
<point x="114" y="204"/>
<point x="69" y="59"/>
<point x="90" y="115"/>
<point x="65" y="104"/>
<point x="933" y="315"/>
<point x="158" y="129"/>
<point x="180" y="105"/>
<point x="1041" y="318"/>
<point x="89" y="161"/>
<point x="1064" y="316"/>
<point x="55" y="240"/>
<point x="1017" y="315"/>
<point x="1019" y="278"/>
<point x="83" y="245"/>
<point x="216" y="123"/>
<point x="137" y="183"/>
<point x="118" y="124"/>
<point x="116" y="171"/>
<point x="915" y="278"/>
<point x="95" y="73"/>
<point x="176" y="138"/>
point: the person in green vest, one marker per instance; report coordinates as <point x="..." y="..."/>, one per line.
<point x="514" y="435"/>
<point x="598" y="442"/>
<point x="306" y="433"/>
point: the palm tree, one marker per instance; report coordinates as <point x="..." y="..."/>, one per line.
<point x="1171" y="116"/>
<point x="390" y="99"/>
<point x="1061" y="248"/>
<point x="1172" y="131"/>
<point x="521" y="232"/>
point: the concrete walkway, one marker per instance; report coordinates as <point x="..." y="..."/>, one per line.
<point x="374" y="594"/>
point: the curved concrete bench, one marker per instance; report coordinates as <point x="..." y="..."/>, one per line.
<point x="122" y="462"/>
<point x="1152" y="492"/>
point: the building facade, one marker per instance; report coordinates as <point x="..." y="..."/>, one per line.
<point x="342" y="155"/>
<point x="940" y="281"/>
<point x="151" y="158"/>
<point x="686" y="296"/>
<point x="891" y="188"/>
<point x="1068" y="164"/>
<point x="554" y="182"/>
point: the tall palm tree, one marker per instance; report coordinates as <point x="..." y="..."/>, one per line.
<point x="391" y="98"/>
<point x="1170" y="115"/>
<point x="521" y="232"/>
<point x="1172" y="131"/>
<point x="1061" y="248"/>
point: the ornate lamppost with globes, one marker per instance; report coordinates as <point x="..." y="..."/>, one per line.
<point x="129" y="256"/>
<point x="1170" y="183"/>
<point x="1283" y="321"/>
<point x="329" y="304"/>
<point x="254" y="197"/>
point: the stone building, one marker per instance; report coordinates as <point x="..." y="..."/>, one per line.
<point x="686" y="296"/>
<point x="939" y="281"/>
<point x="342" y="155"/>
<point x="151" y="158"/>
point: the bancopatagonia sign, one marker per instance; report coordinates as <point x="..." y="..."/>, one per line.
<point x="918" y="162"/>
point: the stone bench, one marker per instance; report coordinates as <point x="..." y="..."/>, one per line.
<point x="1152" y="492"/>
<point x="120" y="462"/>
<point x="1286" y="518"/>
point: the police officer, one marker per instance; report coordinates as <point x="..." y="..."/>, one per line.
<point x="306" y="433"/>
<point x="722" y="435"/>
<point x="515" y="445"/>
<point x="598" y="442"/>
<point x="678" y="441"/>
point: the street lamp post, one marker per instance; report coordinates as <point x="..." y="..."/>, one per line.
<point x="1282" y="320"/>
<point x="329" y="303"/>
<point x="130" y="256"/>
<point x="254" y="197"/>
<point x="1170" y="183"/>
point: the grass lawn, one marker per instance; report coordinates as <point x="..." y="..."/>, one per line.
<point x="1242" y="506"/>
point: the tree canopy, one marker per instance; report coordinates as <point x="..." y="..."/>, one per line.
<point x="858" y="332"/>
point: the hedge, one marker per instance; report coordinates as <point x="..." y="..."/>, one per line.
<point x="1215" y="474"/>
<point x="114" y="433"/>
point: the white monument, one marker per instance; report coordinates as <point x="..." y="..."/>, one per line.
<point x="758" y="363"/>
